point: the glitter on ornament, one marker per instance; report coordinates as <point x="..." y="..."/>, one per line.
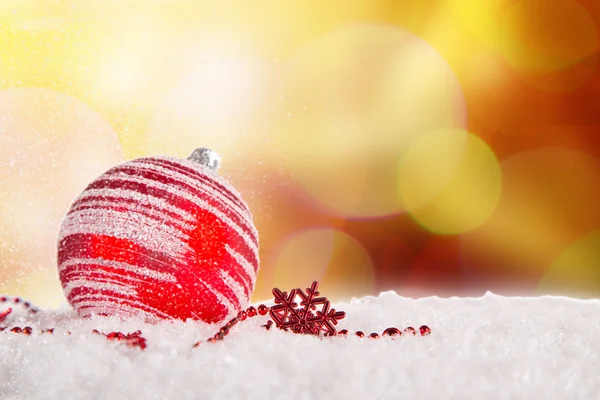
<point x="160" y="238"/>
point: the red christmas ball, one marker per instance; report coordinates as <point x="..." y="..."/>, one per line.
<point x="161" y="238"/>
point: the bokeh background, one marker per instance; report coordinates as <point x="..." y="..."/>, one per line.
<point x="431" y="147"/>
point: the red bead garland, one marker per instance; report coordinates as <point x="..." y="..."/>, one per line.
<point x="301" y="320"/>
<point x="134" y="339"/>
<point x="262" y="309"/>
<point x="5" y="314"/>
<point x="287" y="317"/>
<point x="30" y="308"/>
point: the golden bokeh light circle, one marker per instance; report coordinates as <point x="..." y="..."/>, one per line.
<point x="334" y="258"/>
<point x="549" y="200"/>
<point x="449" y="181"/>
<point x="351" y="101"/>
<point x="577" y="270"/>
<point x="552" y="47"/>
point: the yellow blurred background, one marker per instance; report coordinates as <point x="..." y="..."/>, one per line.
<point x="432" y="147"/>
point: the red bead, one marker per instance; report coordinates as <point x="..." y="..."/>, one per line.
<point x="374" y="335"/>
<point x="244" y="315"/>
<point x="230" y="324"/>
<point x="251" y="312"/>
<point x="5" y="313"/>
<point x="343" y="332"/>
<point x="27" y="330"/>
<point x="224" y="330"/>
<point x="177" y="240"/>
<point x="263" y="310"/>
<point x="392" y="332"/>
<point x="410" y="330"/>
<point x="360" y="334"/>
<point x="16" y="329"/>
<point x="424" y="330"/>
<point x="16" y="300"/>
<point x="3" y="299"/>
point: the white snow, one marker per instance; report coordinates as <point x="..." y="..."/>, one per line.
<point x="491" y="347"/>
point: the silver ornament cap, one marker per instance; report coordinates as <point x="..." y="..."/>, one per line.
<point x="206" y="157"/>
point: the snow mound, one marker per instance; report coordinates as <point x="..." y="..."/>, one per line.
<point x="490" y="347"/>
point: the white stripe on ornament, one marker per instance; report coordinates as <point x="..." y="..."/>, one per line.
<point x="149" y="211"/>
<point x="131" y="219"/>
<point x="243" y="280"/>
<point x="220" y="297"/>
<point x="236" y="288"/>
<point x="151" y="273"/>
<point x="201" y="187"/>
<point x="119" y="288"/>
<point x="197" y="185"/>
<point x="92" y="299"/>
<point x="146" y="232"/>
<point x="217" y="182"/>
<point x="85" y="273"/>
<point x="118" y="311"/>
<point x="194" y="199"/>
<point x="97" y="307"/>
<point x="129" y="194"/>
<point x="245" y="264"/>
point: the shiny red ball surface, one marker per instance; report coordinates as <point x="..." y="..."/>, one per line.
<point x="161" y="238"/>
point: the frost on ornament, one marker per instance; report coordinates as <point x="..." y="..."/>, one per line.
<point x="160" y="238"/>
<point x="305" y="319"/>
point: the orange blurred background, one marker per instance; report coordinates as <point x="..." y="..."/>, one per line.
<point x="431" y="147"/>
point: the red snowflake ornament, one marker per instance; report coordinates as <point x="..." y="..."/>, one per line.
<point x="304" y="317"/>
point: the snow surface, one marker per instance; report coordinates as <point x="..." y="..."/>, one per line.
<point x="491" y="347"/>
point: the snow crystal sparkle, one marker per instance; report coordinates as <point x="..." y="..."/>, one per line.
<point x="160" y="238"/>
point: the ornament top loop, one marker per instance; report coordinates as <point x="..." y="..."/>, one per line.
<point x="207" y="158"/>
